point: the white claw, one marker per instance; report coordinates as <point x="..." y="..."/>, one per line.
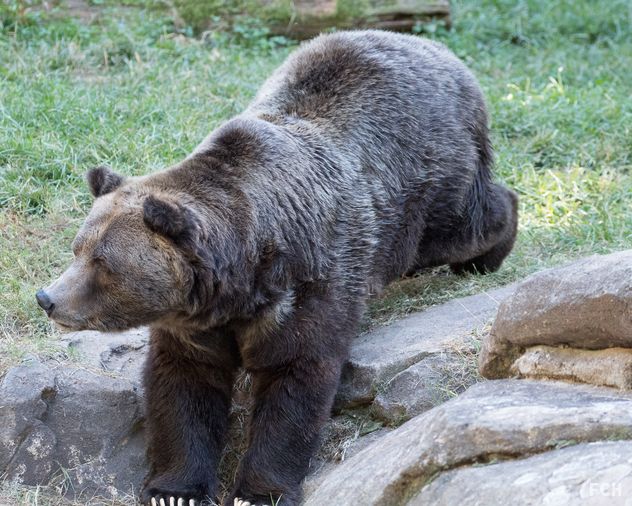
<point x="180" y="501"/>
<point x="237" y="502"/>
<point x="162" y="502"/>
<point x="153" y="502"/>
<point x="172" y="501"/>
<point x="191" y="502"/>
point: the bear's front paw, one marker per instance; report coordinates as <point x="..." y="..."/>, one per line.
<point x="169" y="490"/>
<point x="172" y="501"/>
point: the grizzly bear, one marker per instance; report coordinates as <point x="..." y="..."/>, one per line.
<point x="366" y="156"/>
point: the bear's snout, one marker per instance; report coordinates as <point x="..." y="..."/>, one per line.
<point x="44" y="301"/>
<point x="64" y="301"/>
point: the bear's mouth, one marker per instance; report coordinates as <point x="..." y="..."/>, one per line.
<point x="67" y="326"/>
<point x="63" y="327"/>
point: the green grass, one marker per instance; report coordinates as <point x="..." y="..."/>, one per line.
<point x="131" y="90"/>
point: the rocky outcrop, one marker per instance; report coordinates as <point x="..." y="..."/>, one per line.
<point x="586" y="305"/>
<point x="81" y="421"/>
<point x="494" y="420"/>
<point x="595" y="474"/>
<point x="67" y="424"/>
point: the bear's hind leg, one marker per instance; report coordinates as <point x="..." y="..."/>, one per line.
<point x="476" y="242"/>
<point x="188" y="400"/>
<point x="499" y="228"/>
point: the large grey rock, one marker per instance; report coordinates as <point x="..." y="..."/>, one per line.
<point x="595" y="474"/>
<point x="71" y="422"/>
<point x="25" y="441"/>
<point x="587" y="304"/>
<point x="493" y="419"/>
<point x="379" y="355"/>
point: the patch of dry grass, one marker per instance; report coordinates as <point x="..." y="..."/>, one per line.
<point x="462" y="372"/>
<point x="14" y="494"/>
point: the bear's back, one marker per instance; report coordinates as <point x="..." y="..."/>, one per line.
<point x="398" y="106"/>
<point x="343" y="78"/>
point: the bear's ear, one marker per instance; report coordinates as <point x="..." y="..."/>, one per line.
<point x="164" y="217"/>
<point x="102" y="180"/>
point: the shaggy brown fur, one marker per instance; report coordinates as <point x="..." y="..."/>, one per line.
<point x="364" y="157"/>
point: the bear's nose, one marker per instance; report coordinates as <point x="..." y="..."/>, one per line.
<point x="44" y="301"/>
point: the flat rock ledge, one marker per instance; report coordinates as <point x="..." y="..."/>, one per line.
<point x="404" y="366"/>
<point x="595" y="474"/>
<point x="492" y="421"/>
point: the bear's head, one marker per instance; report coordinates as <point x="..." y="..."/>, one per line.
<point x="130" y="264"/>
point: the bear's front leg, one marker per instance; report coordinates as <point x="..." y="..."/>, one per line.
<point x="295" y="374"/>
<point x="188" y="393"/>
